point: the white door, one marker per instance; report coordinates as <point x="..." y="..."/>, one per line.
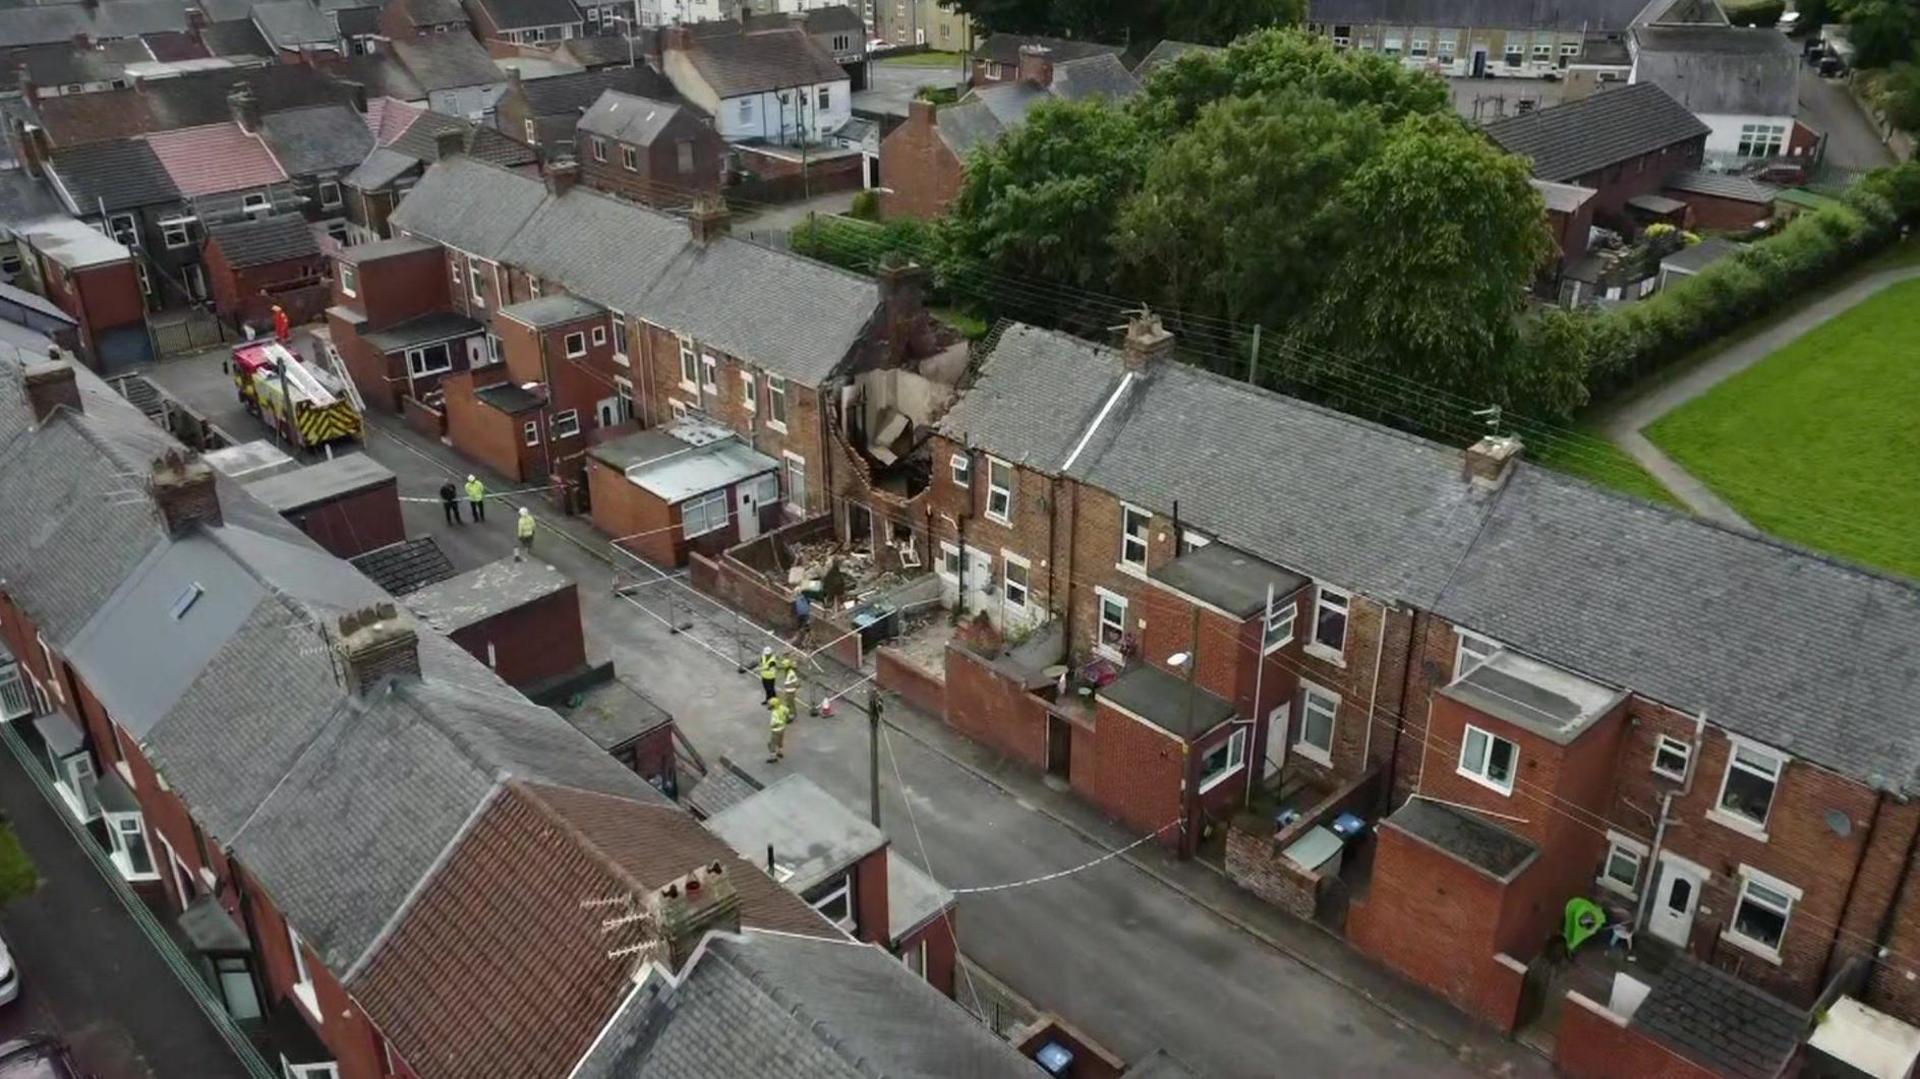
<point x="746" y="509"/>
<point x="1675" y="898"/>
<point x="979" y="582"/>
<point x="1277" y="739"/>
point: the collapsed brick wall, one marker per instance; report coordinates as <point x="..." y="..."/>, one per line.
<point x="1255" y="862"/>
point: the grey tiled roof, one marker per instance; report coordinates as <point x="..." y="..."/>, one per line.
<point x="263" y="240"/>
<point x="235" y="37"/>
<point x="1721" y="1022"/>
<point x="289" y="24"/>
<point x="515" y="14"/>
<point x="1165" y="54"/>
<point x="789" y="1007"/>
<point x="1005" y="48"/>
<point x="1034" y="395"/>
<point x="403" y="567"/>
<point x="381" y="167"/>
<point x="122" y="173"/>
<point x="1614" y="15"/>
<point x="1721" y="185"/>
<point x="318" y="139"/>
<point x="1569" y="141"/>
<point x="967" y="126"/>
<point x="448" y="62"/>
<point x="1743" y="70"/>
<point x="433" y="12"/>
<point x="567" y="95"/>
<point x="482" y="143"/>
<point x="1095" y="76"/>
<point x="1817" y="658"/>
<point x="791" y="315"/>
<point x="626" y="118"/>
<point x="735" y="64"/>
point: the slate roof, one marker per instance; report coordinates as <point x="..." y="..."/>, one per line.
<point x="1165" y="54"/>
<point x="1095" y="76"/>
<point x="121" y="174"/>
<point x="568" y="95"/>
<point x="792" y="315"/>
<point x="1721" y="185"/>
<point x="317" y="140"/>
<point x="1692" y="619"/>
<point x="171" y="46"/>
<point x="1567" y="142"/>
<point x="1005" y="48"/>
<point x="1603" y="15"/>
<point x="1562" y="198"/>
<point x="384" y="77"/>
<point x="735" y="64"/>
<point x="433" y="12"/>
<point x="725" y="785"/>
<point x="482" y="143"/>
<point x="1696" y="257"/>
<point x="215" y="159"/>
<point x="448" y="62"/>
<point x="357" y="21"/>
<point x="290" y="24"/>
<point x="382" y="167"/>
<point x="1720" y="70"/>
<point x="181" y="101"/>
<point x="62" y="63"/>
<point x="1029" y="365"/>
<point x="50" y="23"/>
<point x="600" y="50"/>
<point x="837" y="18"/>
<point x="991" y="111"/>
<point x="235" y="37"/>
<point x="403" y="567"/>
<point x="629" y="119"/>
<point x="1717" y="1020"/>
<point x="264" y="240"/>
<point x="782" y="1007"/>
<point x="517" y="14"/>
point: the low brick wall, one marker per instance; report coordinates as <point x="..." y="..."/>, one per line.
<point x="922" y="689"/>
<point x="428" y="421"/>
<point x="991" y="708"/>
<point x="834" y="636"/>
<point x="1255" y="862"/>
<point x="1594" y="1043"/>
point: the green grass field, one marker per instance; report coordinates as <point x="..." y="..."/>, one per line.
<point x="1819" y="443"/>
<point x="1591" y="456"/>
<point x="17" y="877"/>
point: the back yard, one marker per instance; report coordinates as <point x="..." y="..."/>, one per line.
<point x="1818" y="443"/>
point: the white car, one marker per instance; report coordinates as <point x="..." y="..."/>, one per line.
<point x="9" y="976"/>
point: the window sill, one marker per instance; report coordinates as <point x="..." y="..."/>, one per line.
<point x="1314" y="753"/>
<point x="620" y="360"/>
<point x="1277" y="645"/>
<point x="777" y="427"/>
<point x="1109" y="652"/>
<point x="126" y="871"/>
<point x="1504" y="792"/>
<point x="1208" y="785"/>
<point x="1131" y="569"/>
<point x="1616" y="887"/>
<point x="1751" y="947"/>
<point x="1738" y="824"/>
<point x="1005" y="522"/>
<point x="1322" y="652"/>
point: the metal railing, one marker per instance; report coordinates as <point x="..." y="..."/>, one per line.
<point x="156" y="934"/>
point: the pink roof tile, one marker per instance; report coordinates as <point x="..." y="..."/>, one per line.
<point x="388" y="118"/>
<point x="215" y="159"/>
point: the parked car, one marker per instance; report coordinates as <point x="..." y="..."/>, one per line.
<point x="9" y="976"/>
<point x="37" y="1057"/>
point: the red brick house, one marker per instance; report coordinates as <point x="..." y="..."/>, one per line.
<point x="660" y="153"/>
<point x="998" y="58"/>
<point x="392" y="324"/>
<point x="689" y="485"/>
<point x="94" y="279"/>
<point x="519" y="617"/>
<point x="256" y="264"/>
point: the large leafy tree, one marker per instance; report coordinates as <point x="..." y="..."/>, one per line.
<point x="1237" y="216"/>
<point x="1432" y="291"/>
<point x="1898" y="95"/>
<point x="1135" y="22"/>
<point x="1882" y="31"/>
<point x="1282" y="61"/>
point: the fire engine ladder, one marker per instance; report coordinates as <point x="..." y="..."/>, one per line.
<point x="339" y="368"/>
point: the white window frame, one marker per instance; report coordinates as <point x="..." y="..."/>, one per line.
<point x="531" y="130"/>
<point x="1008" y="560"/>
<point x="704" y="504"/>
<point x="946" y="570"/>
<point x="1236" y="746"/>
<point x="131" y="227"/>
<point x="709" y="372"/>
<point x="117" y="839"/>
<point x="630" y="158"/>
<point x="1103" y="597"/>
<point x="960" y="470"/>
<point x="256" y="202"/>
<point x="1002" y="492"/>
<point x="749" y="391"/>
<point x="777" y="403"/>
<point x="1622" y="845"/>
<point x="72" y="787"/>
<point x="1668" y="743"/>
<point x="1277" y="625"/>
<point x="619" y="335"/>
<point x="599" y="335"/>
<point x="1471" y="650"/>
<point x="1308" y="692"/>
<point x="302" y="976"/>
<point x="843" y="891"/>
<point x="1129" y="514"/>
<point x="349" y="280"/>
<point x="1739" y="822"/>
<point x="564" y="424"/>
<point x="1480" y="765"/>
<point x="182" y="227"/>
<point x="416" y="360"/>
<point x="795" y="462"/>
<point x="476" y="285"/>
<point x="1191" y="541"/>
<point x="567" y="343"/>
<point x="1344" y="603"/>
<point x="332" y="201"/>
<point x="530" y="432"/>
<point x="120" y="751"/>
<point x="1749" y="877"/>
<point x="599" y="149"/>
<point x="689" y="365"/>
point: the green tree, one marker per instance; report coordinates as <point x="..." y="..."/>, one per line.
<point x="1041" y="202"/>
<point x="1237" y="216"/>
<point x="1898" y="95"/>
<point x="1217" y="22"/>
<point x="1434" y="289"/>
<point x="1279" y="61"/>
<point x="1882" y="31"/>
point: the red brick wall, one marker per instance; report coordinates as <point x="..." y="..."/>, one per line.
<point x="1643" y="175"/>
<point x="341" y="1025"/>
<point x="621" y="509"/>
<point x="1712" y="214"/>
<point x="376" y="376"/>
<point x="992" y="709"/>
<point x="1593" y="1043"/>
<point x="300" y="286"/>
<point x="431" y="422"/>
<point x="1134" y="773"/>
<point x="870" y="899"/>
<point x="355" y="523"/>
<point x="1027" y="533"/>
<point x="535" y="641"/>
<point x="487" y="434"/>
<point x="921" y="689"/>
<point x="921" y="174"/>
<point x="398" y="287"/>
<point x="658" y="180"/>
<point x="942" y="954"/>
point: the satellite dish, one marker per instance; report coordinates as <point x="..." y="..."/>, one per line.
<point x="1841" y="824"/>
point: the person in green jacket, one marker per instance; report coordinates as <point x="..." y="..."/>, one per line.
<point x="523" y="530"/>
<point x="777" y="716"/>
<point x="768" y="671"/>
<point x="477" y="497"/>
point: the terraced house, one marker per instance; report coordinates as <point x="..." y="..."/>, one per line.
<point x="1501" y="38"/>
<point x="388" y="861"/>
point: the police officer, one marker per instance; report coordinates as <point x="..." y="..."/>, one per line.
<point x="450" y="503"/>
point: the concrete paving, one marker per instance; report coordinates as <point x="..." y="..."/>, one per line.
<point x="1139" y="952"/>
<point x="88" y="975"/>
<point x="1852" y="143"/>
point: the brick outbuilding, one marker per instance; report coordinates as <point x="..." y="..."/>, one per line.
<point x="391" y="321"/>
<point x="520" y="617"/>
<point x="350" y="505"/>
<point x="688" y="486"/>
<point x="254" y="265"/>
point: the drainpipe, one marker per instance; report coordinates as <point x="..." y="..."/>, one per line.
<point x="1666" y="814"/>
<point x="1417" y="661"/>
<point x="1853" y="882"/>
<point x="1261" y="727"/>
<point x="1899" y="896"/>
<point x="1373" y="695"/>
<point x="1053" y="555"/>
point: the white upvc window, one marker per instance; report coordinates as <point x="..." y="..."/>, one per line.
<point x="599" y="335"/>
<point x="576" y="343"/>
<point x="630" y="158"/>
<point x="1016" y="579"/>
<point x="709" y="372"/>
<point x="255" y="203"/>
<point x="749" y="391"/>
<point x="74" y="776"/>
<point x="1224" y="760"/>
<point x="429" y="359"/>
<point x="999" y="491"/>
<point x="349" y="280"/>
<point x="176" y="232"/>
<point x="476" y="282"/>
<point x="1417" y="49"/>
<point x="302" y="976"/>
<point x="707" y="513"/>
<point x="1488" y="759"/>
<point x="1136" y="525"/>
<point x="330" y="194"/>
<point x="1279" y="621"/>
<point x="835" y="903"/>
<point x="619" y="320"/>
<point x="599" y="149"/>
<point x="1761" y="140"/>
<point x="1191" y="541"/>
<point x="1331" y="607"/>
<point x="564" y="424"/>
<point x="1747" y="788"/>
<point x="1113" y="624"/>
<point x="530" y="433"/>
<point x="1472" y="651"/>
<point x="53" y="669"/>
<point x="1672" y="757"/>
<point x="777" y="403"/>
<point x="960" y="469"/>
<point x="797" y="482"/>
<point x="128" y="847"/>
<point x="1390" y="46"/>
<point x="531" y="131"/>
<point x="1761" y="913"/>
<point x="689" y="366"/>
<point x="949" y="565"/>
<point x="1621" y="871"/>
<point x="124" y="228"/>
<point x="1319" y="708"/>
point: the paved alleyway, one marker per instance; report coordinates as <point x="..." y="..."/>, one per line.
<point x="1137" y="964"/>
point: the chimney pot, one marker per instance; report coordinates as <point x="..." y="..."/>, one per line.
<point x="377" y="642"/>
<point x="184" y="492"/>
<point x="709" y="219"/>
<point x="1490" y="460"/>
<point x="561" y="175"/>
<point x="699" y="903"/>
<point x="1148" y="343"/>
<point x="50" y="385"/>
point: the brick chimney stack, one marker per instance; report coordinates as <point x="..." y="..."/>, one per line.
<point x="561" y="174"/>
<point x="709" y="219"/>
<point x="903" y="292"/>
<point x="1036" y="65"/>
<point x="245" y="108"/>
<point x="1490" y="460"/>
<point x="375" y="643"/>
<point x="184" y="492"/>
<point x="50" y="385"/>
<point x="1148" y="343"/>
<point x="699" y="903"/>
<point x="920" y="113"/>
